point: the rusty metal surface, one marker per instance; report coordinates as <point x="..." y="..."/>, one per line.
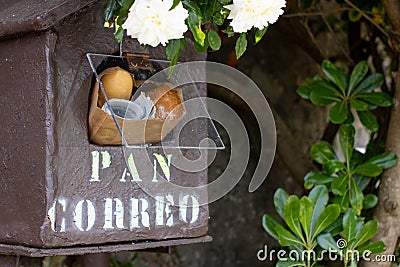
<point x="47" y="158"/>
<point x="17" y="17"/>
<point x="82" y="250"/>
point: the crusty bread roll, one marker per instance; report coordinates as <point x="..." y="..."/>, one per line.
<point x="167" y="103"/>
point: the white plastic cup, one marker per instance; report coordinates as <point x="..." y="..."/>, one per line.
<point x="124" y="109"/>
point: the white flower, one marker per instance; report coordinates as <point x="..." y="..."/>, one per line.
<point x="246" y="14"/>
<point x="152" y="22"/>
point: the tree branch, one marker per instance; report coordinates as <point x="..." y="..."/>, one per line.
<point x="367" y="17"/>
<point x="388" y="211"/>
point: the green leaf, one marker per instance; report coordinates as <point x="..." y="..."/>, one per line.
<point x="339" y="185"/>
<point x="356" y="197"/>
<point x="358" y="105"/>
<point x="322" y="152"/>
<point x="175" y="4"/>
<point x="208" y="8"/>
<point x="356" y="158"/>
<point x="342" y="201"/>
<point x="126" y="4"/>
<point x="214" y="40"/>
<point x="304" y="92"/>
<point x="327" y="217"/>
<point x="334" y="74"/>
<point x="219" y="18"/>
<point x="360" y="224"/>
<point x="122" y="16"/>
<point x="110" y="10"/>
<point x="291" y="214"/>
<point x="201" y="49"/>
<point x="374" y="248"/>
<point x="335" y="228"/>
<point x="241" y="45"/>
<point x="327" y="242"/>
<point x="192" y="7"/>
<point x="306" y="212"/>
<point x="338" y="113"/>
<point x="350" y="220"/>
<point x="194" y="26"/>
<point x="368" y="230"/>
<point x="362" y="181"/>
<point x="323" y="93"/>
<point x="285" y="237"/>
<point x="372" y="82"/>
<point x="385" y="160"/>
<point x="350" y="118"/>
<point x="119" y="34"/>
<point x="269" y="223"/>
<point x="280" y="198"/>
<point x="380" y="99"/>
<point x="260" y="34"/>
<point x="319" y="197"/>
<point x="368" y="169"/>
<point x="358" y="73"/>
<point x="368" y="120"/>
<point x="333" y="166"/>
<point x="346" y="139"/>
<point x="370" y="201"/>
<point x="315" y="178"/>
<point x="173" y="51"/>
<point x="183" y="44"/>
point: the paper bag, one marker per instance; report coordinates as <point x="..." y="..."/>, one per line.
<point x="103" y="130"/>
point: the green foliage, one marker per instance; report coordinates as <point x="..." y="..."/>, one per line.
<point x="353" y="239"/>
<point x="331" y="216"/>
<point x="305" y="219"/>
<point x="173" y="51"/>
<point x="260" y="34"/>
<point x="344" y="178"/>
<point x="241" y="45"/>
<point x="214" y="40"/>
<point x="348" y="93"/>
<point x="206" y="21"/>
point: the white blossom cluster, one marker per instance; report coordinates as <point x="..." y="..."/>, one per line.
<point x="153" y="22"/>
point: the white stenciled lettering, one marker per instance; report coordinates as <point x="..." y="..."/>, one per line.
<point x="164" y="163"/>
<point x="95" y="167"/>
<point x="109" y="213"/>
<point x="183" y="208"/>
<point x="139" y="212"/>
<point x="78" y="215"/>
<point x="53" y="215"/>
<point x="133" y="170"/>
<point x="163" y="207"/>
<point x="106" y="159"/>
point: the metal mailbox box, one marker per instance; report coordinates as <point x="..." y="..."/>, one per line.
<point x="60" y="194"/>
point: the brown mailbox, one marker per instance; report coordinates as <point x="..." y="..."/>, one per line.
<point x="60" y="194"/>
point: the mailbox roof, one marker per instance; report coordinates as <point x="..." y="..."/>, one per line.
<point x="18" y="17"/>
